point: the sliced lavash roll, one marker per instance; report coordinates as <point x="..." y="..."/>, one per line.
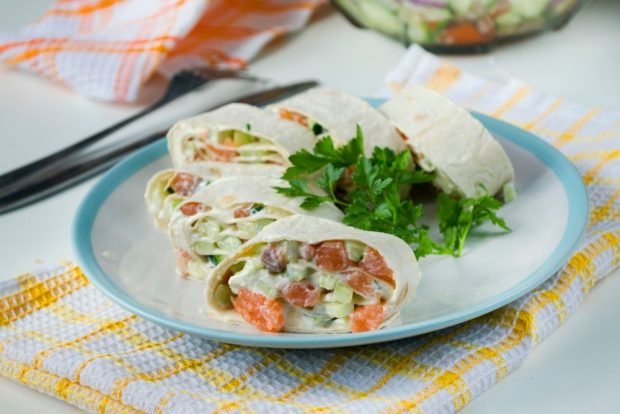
<point x="337" y="114"/>
<point x="237" y="133"/>
<point x="208" y="226"/>
<point x="311" y="275"/>
<point x="447" y="140"/>
<point x="168" y="188"/>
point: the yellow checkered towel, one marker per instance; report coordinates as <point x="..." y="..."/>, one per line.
<point x="61" y="336"/>
<point x="106" y="49"/>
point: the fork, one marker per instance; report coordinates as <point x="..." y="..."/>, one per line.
<point x="181" y="83"/>
<point x="84" y="165"/>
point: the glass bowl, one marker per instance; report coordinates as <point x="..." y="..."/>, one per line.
<point x="458" y="25"/>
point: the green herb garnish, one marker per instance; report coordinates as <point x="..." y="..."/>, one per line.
<point x="458" y="217"/>
<point x="375" y="202"/>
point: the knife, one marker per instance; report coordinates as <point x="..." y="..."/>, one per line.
<point x="83" y="166"/>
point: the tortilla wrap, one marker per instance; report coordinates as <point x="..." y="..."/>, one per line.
<point x="338" y="114"/>
<point x="168" y="188"/>
<point x="208" y="226"/>
<point x="237" y="133"/>
<point x="447" y="140"/>
<point x="312" y="230"/>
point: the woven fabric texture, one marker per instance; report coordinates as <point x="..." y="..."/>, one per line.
<point x="61" y="336"/>
<point x="107" y="49"/>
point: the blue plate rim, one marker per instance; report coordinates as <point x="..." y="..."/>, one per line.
<point x="551" y="157"/>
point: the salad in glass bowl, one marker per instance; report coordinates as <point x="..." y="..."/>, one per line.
<point x="458" y="25"/>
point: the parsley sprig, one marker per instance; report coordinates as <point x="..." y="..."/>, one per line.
<point x="458" y="217"/>
<point x="325" y="153"/>
<point x="376" y="200"/>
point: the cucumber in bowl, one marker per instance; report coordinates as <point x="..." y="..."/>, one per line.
<point x="458" y="25"/>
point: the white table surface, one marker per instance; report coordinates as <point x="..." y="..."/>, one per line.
<point x="576" y="370"/>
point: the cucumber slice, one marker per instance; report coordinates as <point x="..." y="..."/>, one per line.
<point x="296" y="271"/>
<point x="247" y="153"/>
<point x="203" y="248"/>
<point x="509" y="19"/>
<point x="207" y="228"/>
<point x="262" y="223"/>
<point x="224" y="135"/>
<point x="327" y="281"/>
<point x="338" y="310"/>
<point x="241" y="138"/>
<point x="342" y="293"/>
<point x="267" y="289"/>
<point x="460" y="6"/>
<point x="292" y="251"/>
<point x="529" y="8"/>
<point x="170" y="204"/>
<point x="416" y="33"/>
<point x="237" y="267"/>
<point x="319" y="319"/>
<point x="229" y="243"/>
<point x="415" y="14"/>
<point x="379" y="16"/>
<point x="248" y="228"/>
<point x="355" y="250"/>
<point x="222" y="296"/>
<point x="510" y="192"/>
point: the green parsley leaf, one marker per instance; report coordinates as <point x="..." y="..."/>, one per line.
<point x="327" y="182"/>
<point x="303" y="162"/>
<point x="458" y="217"/>
<point x="299" y="188"/>
<point x="373" y="201"/>
<point x="324" y="153"/>
<point x="349" y="153"/>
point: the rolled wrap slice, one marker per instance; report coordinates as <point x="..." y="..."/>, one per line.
<point x="447" y="140"/>
<point x="169" y="188"/>
<point x="214" y="222"/>
<point x="237" y="133"/>
<point x="311" y="275"/>
<point x="330" y="112"/>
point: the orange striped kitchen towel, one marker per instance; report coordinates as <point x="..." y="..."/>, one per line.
<point x="107" y="49"/>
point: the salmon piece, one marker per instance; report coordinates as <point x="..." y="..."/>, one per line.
<point x="182" y="259"/>
<point x="191" y="208"/>
<point x="264" y="313"/>
<point x="303" y="294"/>
<point x="367" y="318"/>
<point x="346" y="180"/>
<point x="220" y="154"/>
<point x="373" y="263"/>
<point x="468" y="33"/>
<point x="361" y="283"/>
<point x="241" y="212"/>
<point x="184" y="184"/>
<point x="306" y="251"/>
<point x="332" y="256"/>
<point x="294" y="116"/>
<point x="274" y="258"/>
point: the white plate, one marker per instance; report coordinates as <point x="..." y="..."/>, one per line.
<point x="122" y="252"/>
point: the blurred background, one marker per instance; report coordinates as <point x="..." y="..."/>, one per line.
<point x="462" y="28"/>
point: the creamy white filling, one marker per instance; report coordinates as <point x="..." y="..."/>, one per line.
<point x="256" y="278"/>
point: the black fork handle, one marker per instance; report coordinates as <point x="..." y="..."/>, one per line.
<point x="79" y="168"/>
<point x="13" y="178"/>
<point x="76" y="170"/>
